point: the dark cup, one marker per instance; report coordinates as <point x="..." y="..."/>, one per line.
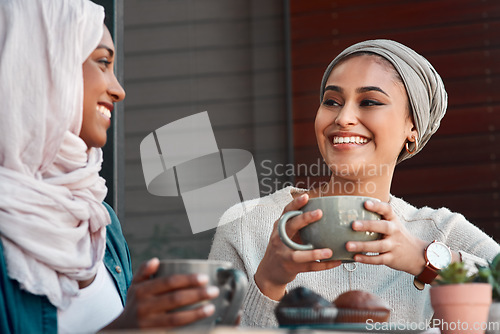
<point x="231" y="282"/>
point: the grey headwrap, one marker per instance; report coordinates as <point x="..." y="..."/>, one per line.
<point x="425" y="89"/>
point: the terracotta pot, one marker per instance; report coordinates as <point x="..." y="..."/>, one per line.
<point x="494" y="319"/>
<point x="461" y="308"/>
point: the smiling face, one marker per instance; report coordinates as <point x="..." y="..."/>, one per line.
<point x="363" y="121"/>
<point x="101" y="90"/>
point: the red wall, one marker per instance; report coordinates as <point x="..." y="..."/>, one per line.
<point x="459" y="168"/>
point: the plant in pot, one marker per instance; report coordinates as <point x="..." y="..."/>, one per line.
<point x="460" y="304"/>
<point x="491" y="274"/>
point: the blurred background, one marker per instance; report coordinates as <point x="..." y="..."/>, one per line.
<point x="256" y="67"/>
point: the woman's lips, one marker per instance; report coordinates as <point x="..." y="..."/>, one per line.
<point x="104" y="111"/>
<point x="358" y="140"/>
<point x="349" y="140"/>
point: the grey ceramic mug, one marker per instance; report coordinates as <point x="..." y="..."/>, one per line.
<point x="334" y="228"/>
<point x="231" y="282"/>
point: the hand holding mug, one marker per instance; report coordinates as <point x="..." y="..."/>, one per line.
<point x="397" y="248"/>
<point x="230" y="282"/>
<point x="280" y="264"/>
<point x="152" y="303"/>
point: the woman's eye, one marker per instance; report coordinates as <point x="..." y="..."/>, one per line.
<point x="105" y="62"/>
<point x="330" y="103"/>
<point x="369" y="103"/>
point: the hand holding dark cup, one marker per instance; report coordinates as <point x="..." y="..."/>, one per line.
<point x="154" y="302"/>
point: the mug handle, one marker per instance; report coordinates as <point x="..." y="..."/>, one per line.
<point x="239" y="284"/>
<point x="284" y="237"/>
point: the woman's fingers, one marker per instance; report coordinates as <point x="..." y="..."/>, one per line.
<point x="297" y="203"/>
<point x="377" y="246"/>
<point x="179" y="318"/>
<point x="384" y="258"/>
<point x="146" y="270"/>
<point x="165" y="284"/>
<point x="296" y="223"/>
<point x="312" y="255"/>
<point x="382" y="208"/>
<point x="179" y="298"/>
<point x="325" y="265"/>
<point x="384" y="227"/>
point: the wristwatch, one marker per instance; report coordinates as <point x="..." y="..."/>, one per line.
<point x="437" y="256"/>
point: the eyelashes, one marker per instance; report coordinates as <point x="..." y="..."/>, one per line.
<point x="330" y="103"/>
<point x="370" y="103"/>
<point x="105" y="62"/>
<point x="363" y="103"/>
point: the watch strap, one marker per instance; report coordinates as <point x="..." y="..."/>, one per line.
<point x="428" y="275"/>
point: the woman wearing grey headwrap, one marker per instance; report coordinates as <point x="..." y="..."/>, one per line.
<point x="425" y="89"/>
<point x="380" y="103"/>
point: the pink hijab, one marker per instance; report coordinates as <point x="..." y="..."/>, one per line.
<point x="52" y="221"/>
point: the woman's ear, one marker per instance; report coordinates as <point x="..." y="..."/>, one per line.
<point x="413" y="136"/>
<point x="413" y="133"/>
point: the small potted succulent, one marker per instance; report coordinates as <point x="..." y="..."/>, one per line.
<point x="491" y="274"/>
<point x="458" y="301"/>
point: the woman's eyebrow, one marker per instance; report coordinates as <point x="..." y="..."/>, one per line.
<point x="102" y="46"/>
<point x="334" y="88"/>
<point x="371" y="88"/>
<point x="359" y="90"/>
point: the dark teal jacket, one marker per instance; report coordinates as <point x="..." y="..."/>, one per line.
<point x="23" y="312"/>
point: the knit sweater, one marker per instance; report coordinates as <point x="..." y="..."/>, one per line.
<point x="244" y="231"/>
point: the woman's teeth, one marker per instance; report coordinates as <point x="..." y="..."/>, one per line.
<point x="349" y="140"/>
<point x="104" y="111"/>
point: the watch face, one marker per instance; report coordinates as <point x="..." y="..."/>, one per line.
<point x="438" y="255"/>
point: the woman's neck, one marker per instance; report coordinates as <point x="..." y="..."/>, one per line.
<point x="376" y="186"/>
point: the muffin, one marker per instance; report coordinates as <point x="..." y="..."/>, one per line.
<point x="303" y="306"/>
<point x="360" y="306"/>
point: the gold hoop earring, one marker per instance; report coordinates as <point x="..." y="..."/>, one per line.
<point x="415" y="148"/>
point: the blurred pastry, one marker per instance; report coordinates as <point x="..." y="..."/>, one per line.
<point x="303" y="306"/>
<point x="360" y="306"/>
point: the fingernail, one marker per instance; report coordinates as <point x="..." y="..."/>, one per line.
<point x="209" y="309"/>
<point x="326" y="253"/>
<point x="212" y="291"/>
<point x="152" y="261"/>
<point x="316" y="212"/>
<point x="202" y="278"/>
<point x="351" y="247"/>
<point x="369" y="203"/>
<point x="357" y="225"/>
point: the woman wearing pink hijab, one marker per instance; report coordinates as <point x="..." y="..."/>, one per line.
<point x="64" y="263"/>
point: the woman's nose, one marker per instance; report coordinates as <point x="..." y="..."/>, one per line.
<point x="116" y="90"/>
<point x="346" y="117"/>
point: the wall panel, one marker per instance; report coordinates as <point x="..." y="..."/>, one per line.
<point x="183" y="57"/>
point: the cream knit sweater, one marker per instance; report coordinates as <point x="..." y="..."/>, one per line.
<point x="244" y="231"/>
